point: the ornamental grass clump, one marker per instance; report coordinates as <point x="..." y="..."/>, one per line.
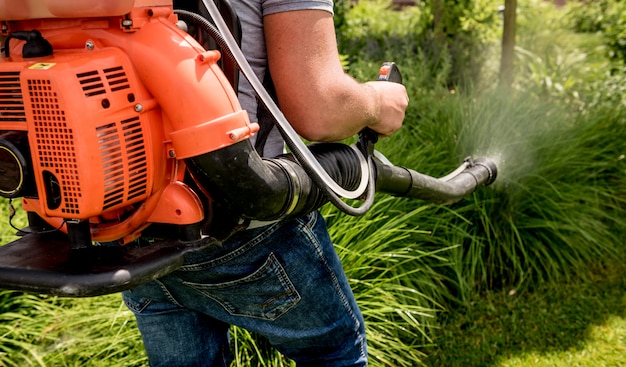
<point x="49" y="331"/>
<point x="556" y="205"/>
<point x="395" y="281"/>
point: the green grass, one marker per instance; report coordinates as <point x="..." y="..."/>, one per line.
<point x="49" y="331"/>
<point x="575" y="323"/>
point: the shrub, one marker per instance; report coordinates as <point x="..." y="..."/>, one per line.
<point x="455" y="38"/>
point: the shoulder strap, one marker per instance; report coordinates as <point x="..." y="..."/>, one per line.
<point x="265" y="119"/>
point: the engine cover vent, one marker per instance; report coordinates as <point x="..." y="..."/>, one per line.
<point x="94" y="84"/>
<point x="11" y="100"/>
<point x="123" y="154"/>
<point x="54" y="144"/>
<point x="116" y="77"/>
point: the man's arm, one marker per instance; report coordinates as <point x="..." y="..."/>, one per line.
<point x="318" y="98"/>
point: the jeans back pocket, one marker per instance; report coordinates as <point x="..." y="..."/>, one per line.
<point x="267" y="293"/>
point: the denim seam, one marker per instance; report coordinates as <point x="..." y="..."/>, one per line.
<point x="287" y="284"/>
<point x="167" y="292"/>
<point x="233" y="254"/>
<point x="136" y="306"/>
<point x="307" y="230"/>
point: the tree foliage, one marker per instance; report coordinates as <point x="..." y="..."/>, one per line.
<point x="607" y="17"/>
<point x="453" y="35"/>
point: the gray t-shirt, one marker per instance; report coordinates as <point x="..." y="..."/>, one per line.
<point x="251" y="14"/>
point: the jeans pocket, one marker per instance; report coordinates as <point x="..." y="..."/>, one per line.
<point x="267" y="293"/>
<point x="134" y="303"/>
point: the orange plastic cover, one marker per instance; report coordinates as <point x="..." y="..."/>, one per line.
<point x="91" y="148"/>
<point x="36" y="9"/>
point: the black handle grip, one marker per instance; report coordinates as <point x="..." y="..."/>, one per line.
<point x="367" y="137"/>
<point x="389" y="71"/>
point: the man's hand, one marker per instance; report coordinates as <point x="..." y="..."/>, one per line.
<point x="392" y="102"/>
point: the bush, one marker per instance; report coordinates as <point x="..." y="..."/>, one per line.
<point x="588" y="16"/>
<point x="453" y="41"/>
<point x="603" y="16"/>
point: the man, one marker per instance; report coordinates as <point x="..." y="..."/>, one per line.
<point x="282" y="280"/>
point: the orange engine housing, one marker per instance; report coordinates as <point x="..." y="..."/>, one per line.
<point x="92" y="147"/>
<point x="112" y="112"/>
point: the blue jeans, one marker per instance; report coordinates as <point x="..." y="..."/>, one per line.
<point x="283" y="281"/>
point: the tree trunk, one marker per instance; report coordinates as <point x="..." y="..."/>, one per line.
<point x="438" y="9"/>
<point x="508" y="43"/>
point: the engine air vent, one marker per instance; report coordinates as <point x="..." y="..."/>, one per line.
<point x="54" y="141"/>
<point x="123" y="157"/>
<point x="91" y="82"/>
<point x="116" y="77"/>
<point x="96" y="82"/>
<point x="11" y="100"/>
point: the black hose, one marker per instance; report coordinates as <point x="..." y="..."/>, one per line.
<point x="405" y="182"/>
<point x="272" y="188"/>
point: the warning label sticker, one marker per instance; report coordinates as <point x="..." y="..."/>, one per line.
<point x="42" y="65"/>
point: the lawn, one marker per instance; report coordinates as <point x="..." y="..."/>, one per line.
<point x="578" y="323"/>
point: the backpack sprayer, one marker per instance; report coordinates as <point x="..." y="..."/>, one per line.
<point x="116" y="126"/>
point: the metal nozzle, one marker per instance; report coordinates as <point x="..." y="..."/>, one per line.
<point x="400" y="181"/>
